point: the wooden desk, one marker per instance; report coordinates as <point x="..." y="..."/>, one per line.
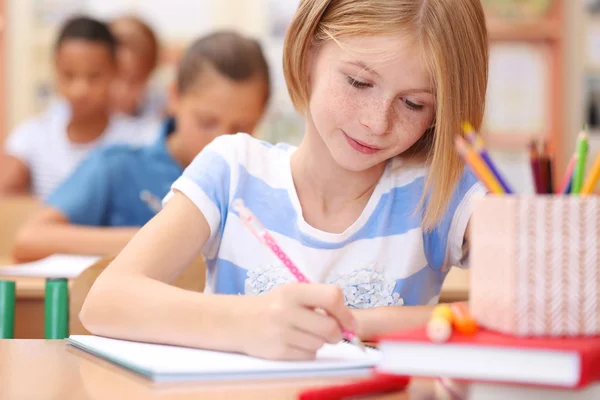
<point x="456" y="286"/>
<point x="51" y="369"/>
<point x="59" y="273"/>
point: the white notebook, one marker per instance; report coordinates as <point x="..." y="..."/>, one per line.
<point x="55" y="266"/>
<point x="173" y="363"/>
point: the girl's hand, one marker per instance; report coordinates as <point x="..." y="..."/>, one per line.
<point x="287" y="323"/>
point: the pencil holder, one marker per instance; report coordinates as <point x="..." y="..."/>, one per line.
<point x="535" y="265"/>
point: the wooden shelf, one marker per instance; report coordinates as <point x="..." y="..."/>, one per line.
<point x="538" y="30"/>
<point x="510" y="141"/>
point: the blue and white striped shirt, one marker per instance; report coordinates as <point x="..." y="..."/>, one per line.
<point x="383" y="258"/>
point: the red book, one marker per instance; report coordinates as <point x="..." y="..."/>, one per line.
<point x="375" y="385"/>
<point x="494" y="357"/>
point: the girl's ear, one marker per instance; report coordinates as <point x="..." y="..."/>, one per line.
<point x="173" y="99"/>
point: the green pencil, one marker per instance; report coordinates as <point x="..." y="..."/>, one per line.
<point x="582" y="150"/>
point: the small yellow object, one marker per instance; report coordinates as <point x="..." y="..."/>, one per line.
<point x="443" y="311"/>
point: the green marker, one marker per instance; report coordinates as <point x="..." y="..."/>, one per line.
<point x="7" y="309"/>
<point x="57" y="309"/>
<point x="582" y="150"/>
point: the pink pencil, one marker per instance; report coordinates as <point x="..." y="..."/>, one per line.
<point x="265" y="237"/>
<point x="568" y="174"/>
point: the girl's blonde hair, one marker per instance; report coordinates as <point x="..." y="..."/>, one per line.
<point x="454" y="37"/>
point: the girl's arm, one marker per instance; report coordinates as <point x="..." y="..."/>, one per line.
<point x="14" y="176"/>
<point x="382" y="320"/>
<point x="132" y="298"/>
<point x="50" y="232"/>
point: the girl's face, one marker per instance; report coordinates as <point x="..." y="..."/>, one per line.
<point x="371" y="99"/>
<point x="217" y="106"/>
<point x="130" y="83"/>
<point x="84" y="74"/>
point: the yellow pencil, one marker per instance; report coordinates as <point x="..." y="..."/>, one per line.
<point x="592" y="178"/>
<point x="478" y="166"/>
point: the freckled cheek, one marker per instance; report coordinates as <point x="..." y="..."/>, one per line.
<point x="335" y="102"/>
<point x="348" y="107"/>
<point x="411" y="125"/>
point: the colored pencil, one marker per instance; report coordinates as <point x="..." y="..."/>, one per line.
<point x="469" y="132"/>
<point x="582" y="150"/>
<point x="545" y="178"/>
<point x="477" y="142"/>
<point x="478" y="166"/>
<point x="534" y="160"/>
<point x="592" y="178"/>
<point x="550" y="176"/>
<point x="569" y="186"/>
<point x="564" y="183"/>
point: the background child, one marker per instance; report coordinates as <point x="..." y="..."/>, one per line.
<point x="373" y="205"/>
<point x="137" y="55"/>
<point x="222" y="88"/>
<point x="43" y="151"/>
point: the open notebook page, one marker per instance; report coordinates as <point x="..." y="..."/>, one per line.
<point x="54" y="266"/>
<point x="173" y="363"/>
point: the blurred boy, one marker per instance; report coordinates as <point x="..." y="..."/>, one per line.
<point x="44" y="150"/>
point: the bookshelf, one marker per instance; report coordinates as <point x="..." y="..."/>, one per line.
<point x="585" y="77"/>
<point x="534" y="48"/>
<point x="541" y="30"/>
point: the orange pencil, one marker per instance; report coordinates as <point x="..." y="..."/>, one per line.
<point x="476" y="142"/>
<point x="592" y="178"/>
<point x="478" y="166"/>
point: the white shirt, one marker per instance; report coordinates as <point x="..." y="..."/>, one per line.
<point x="385" y="257"/>
<point x="42" y="144"/>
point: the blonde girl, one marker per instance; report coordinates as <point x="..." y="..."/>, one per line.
<point x="373" y="205"/>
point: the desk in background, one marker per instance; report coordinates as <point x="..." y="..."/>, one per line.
<point x="456" y="286"/>
<point x="29" y="305"/>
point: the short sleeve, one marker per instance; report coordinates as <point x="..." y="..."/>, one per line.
<point x="84" y="196"/>
<point x="20" y="143"/>
<point x="208" y="180"/>
<point x="445" y="245"/>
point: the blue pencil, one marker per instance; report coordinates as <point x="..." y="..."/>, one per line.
<point x="477" y="143"/>
<point x="568" y="188"/>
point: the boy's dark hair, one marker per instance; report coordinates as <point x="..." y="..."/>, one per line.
<point x="236" y="57"/>
<point x="85" y="28"/>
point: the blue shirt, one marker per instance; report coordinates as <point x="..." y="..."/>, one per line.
<point x="384" y="258"/>
<point x="118" y="185"/>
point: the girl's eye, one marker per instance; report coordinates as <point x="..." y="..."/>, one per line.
<point x="412" y="106"/>
<point x="358" y="84"/>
